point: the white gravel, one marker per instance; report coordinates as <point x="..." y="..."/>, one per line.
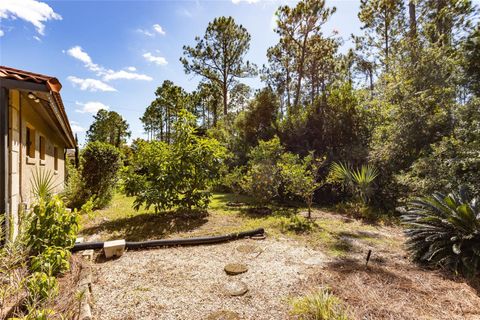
<point x="188" y="282"/>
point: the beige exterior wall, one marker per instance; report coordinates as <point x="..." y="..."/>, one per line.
<point x="23" y="114"/>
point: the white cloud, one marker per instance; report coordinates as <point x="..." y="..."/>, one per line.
<point x="247" y="1"/>
<point x="33" y="11"/>
<point x="91" y="107"/>
<point x="158" y="28"/>
<point x="107" y="74"/>
<point x="78" y="53"/>
<point x="37" y="38"/>
<point x="131" y="69"/>
<point x="122" y="74"/>
<point x="76" y="128"/>
<point x="145" y="32"/>
<point x="2" y="33"/>
<point x="90" y="84"/>
<point x="161" y="61"/>
<point x="151" y="31"/>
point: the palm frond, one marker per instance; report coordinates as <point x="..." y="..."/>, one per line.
<point x="445" y="230"/>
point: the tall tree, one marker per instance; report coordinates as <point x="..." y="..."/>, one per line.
<point x="162" y="112"/>
<point x="219" y="55"/>
<point x="300" y="34"/>
<point x="384" y="24"/>
<point x="109" y="127"/>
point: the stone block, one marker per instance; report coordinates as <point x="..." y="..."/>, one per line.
<point x="114" y="248"/>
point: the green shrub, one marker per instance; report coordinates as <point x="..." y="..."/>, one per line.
<point x="300" y="176"/>
<point x="52" y="261"/>
<point x="179" y="174"/>
<point x="51" y="225"/>
<point x="445" y="231"/>
<point x="233" y="180"/>
<point x="297" y="224"/>
<point x="41" y="286"/>
<point x="321" y="305"/>
<point x="75" y="193"/>
<point x="262" y="180"/>
<point x="100" y="165"/>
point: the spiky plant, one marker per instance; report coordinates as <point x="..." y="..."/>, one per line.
<point x="42" y="183"/>
<point x="320" y="305"/>
<point x="445" y="231"/>
<point x="358" y="180"/>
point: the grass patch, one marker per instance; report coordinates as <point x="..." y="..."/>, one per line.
<point x="333" y="233"/>
<point x="321" y="305"/>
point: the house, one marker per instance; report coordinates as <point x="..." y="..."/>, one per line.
<point x="34" y="135"/>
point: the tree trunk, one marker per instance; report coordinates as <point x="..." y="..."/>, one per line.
<point x="413" y="19"/>
<point x="225" y="97"/>
<point x="386" y="36"/>
<point x="300" y="71"/>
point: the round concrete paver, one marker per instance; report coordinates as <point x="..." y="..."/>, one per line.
<point x="248" y="248"/>
<point x="235" y="268"/>
<point x="223" y="315"/>
<point x="236" y="288"/>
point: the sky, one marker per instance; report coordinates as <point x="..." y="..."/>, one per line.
<point x="114" y="54"/>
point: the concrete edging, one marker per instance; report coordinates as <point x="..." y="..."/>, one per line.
<point x="85" y="288"/>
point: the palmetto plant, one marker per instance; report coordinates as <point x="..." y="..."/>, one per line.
<point x="358" y="180"/>
<point x="42" y="184"/>
<point x="445" y="231"/>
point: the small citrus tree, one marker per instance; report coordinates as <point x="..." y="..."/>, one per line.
<point x="263" y="179"/>
<point x="300" y="176"/>
<point x="178" y="174"/>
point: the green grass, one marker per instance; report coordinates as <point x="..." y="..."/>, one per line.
<point x="331" y="233"/>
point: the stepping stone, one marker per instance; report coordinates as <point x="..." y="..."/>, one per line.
<point x="248" y="248"/>
<point x="223" y="315"/>
<point x="236" y="288"/>
<point x="233" y="269"/>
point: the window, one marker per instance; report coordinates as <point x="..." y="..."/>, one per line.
<point x="42" y="148"/>
<point x="30" y="142"/>
<point x="55" y="158"/>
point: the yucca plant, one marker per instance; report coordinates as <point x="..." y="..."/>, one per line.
<point x="359" y="181"/>
<point x="42" y="184"/>
<point x="445" y="231"/>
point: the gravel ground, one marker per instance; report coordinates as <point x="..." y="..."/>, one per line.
<point x="188" y="282"/>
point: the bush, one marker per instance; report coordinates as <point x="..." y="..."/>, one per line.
<point x="52" y="261"/>
<point x="300" y="176"/>
<point x="177" y="174"/>
<point x="51" y="225"/>
<point x="75" y="193"/>
<point x="41" y="286"/>
<point x="262" y="180"/>
<point x="233" y="180"/>
<point x="100" y="164"/>
<point x="445" y="231"/>
<point x="321" y="305"/>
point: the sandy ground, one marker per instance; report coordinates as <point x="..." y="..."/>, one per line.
<point x="188" y="282"/>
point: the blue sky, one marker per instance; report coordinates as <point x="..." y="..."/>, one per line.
<point x="113" y="54"/>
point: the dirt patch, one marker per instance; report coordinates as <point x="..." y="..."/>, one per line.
<point x="188" y="282"/>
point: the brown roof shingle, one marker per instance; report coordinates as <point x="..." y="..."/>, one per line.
<point x="52" y="84"/>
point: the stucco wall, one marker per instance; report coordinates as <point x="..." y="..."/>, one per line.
<point x="23" y="113"/>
